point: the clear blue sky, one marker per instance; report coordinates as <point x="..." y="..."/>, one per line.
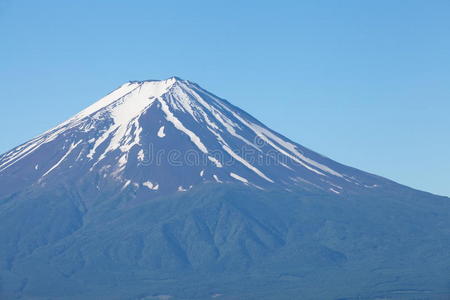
<point x="364" y="82"/>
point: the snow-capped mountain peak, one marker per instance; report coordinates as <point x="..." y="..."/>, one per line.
<point x="169" y="135"/>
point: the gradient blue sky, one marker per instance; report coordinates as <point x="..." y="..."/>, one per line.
<point x="366" y="83"/>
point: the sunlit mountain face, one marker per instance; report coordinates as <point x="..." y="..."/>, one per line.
<point x="162" y="190"/>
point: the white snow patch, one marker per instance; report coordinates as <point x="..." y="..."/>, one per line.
<point x="217" y="178"/>
<point x="127" y="183"/>
<point x="334" y="191"/>
<point x="141" y="155"/>
<point x="107" y="100"/>
<point x="123" y="160"/>
<point x="181" y="189"/>
<point x="97" y="143"/>
<point x="132" y="139"/>
<point x="286" y="166"/>
<point x="240" y="178"/>
<point x="371" y="186"/>
<point x="215" y="161"/>
<point x="150" y="185"/>
<point x="161" y="133"/>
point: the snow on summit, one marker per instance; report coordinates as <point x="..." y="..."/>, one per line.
<point x="177" y="134"/>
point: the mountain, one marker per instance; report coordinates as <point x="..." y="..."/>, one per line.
<point x="162" y="190"/>
<point x="158" y="137"/>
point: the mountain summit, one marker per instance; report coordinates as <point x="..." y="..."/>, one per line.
<point x="164" y="191"/>
<point x="163" y="136"/>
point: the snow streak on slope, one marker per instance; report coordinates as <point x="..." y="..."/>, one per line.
<point x="171" y="118"/>
<point x="73" y="146"/>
